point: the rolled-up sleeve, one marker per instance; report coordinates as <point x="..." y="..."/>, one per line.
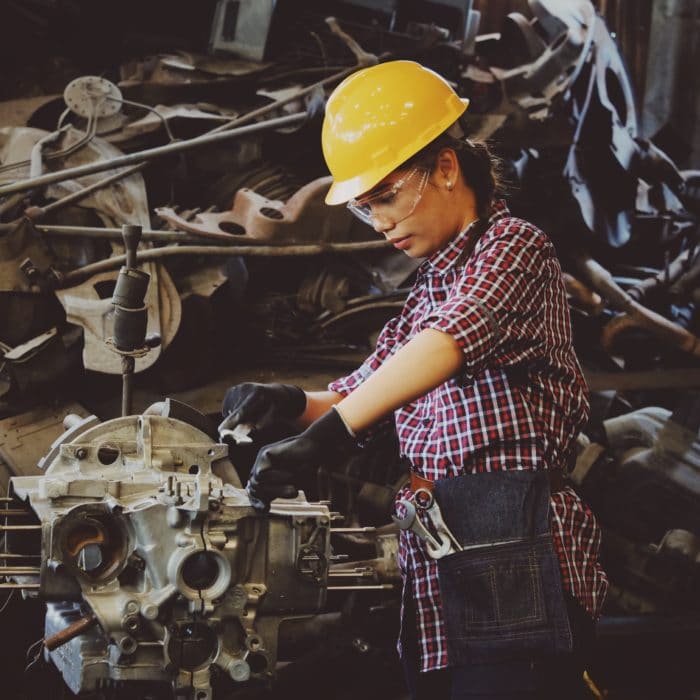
<point x="495" y="308"/>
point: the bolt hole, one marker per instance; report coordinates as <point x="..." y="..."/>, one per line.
<point x="194" y="469"/>
<point x="271" y="213"/>
<point x="257" y="662"/>
<point x="107" y="454"/>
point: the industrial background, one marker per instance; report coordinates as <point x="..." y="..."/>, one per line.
<point x="180" y="143"/>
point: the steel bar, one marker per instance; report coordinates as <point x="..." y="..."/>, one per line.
<point x="365" y="573"/>
<point x="150" y="154"/>
<point x="19" y="571"/>
<point x="13" y="555"/>
<point x="38" y="212"/>
<point x="116" y="261"/>
<point x="14" y="511"/>
<point x="353" y="529"/>
<point x="19" y="527"/>
<point x="113" y="233"/>
<point x="24" y="586"/>
<point x="378" y="587"/>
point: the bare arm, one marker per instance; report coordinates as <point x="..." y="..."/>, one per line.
<point x="317" y="403"/>
<point x="425" y="362"/>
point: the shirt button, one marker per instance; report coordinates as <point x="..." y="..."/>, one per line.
<point x="427" y="421"/>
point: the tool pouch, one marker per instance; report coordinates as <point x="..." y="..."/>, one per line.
<point x="502" y="595"/>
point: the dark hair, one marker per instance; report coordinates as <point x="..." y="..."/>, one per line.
<point x="482" y="171"/>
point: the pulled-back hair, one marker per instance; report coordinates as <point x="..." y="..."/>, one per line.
<point x="480" y="168"/>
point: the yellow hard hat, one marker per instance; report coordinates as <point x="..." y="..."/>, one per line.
<point x="377" y="118"/>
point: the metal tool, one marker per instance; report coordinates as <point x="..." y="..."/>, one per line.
<point x="449" y="544"/>
<point x="240" y="434"/>
<point x="412" y="522"/>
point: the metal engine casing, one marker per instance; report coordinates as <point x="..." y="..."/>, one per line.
<point x="139" y="528"/>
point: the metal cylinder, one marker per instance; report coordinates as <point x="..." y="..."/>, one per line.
<point x="130" y="328"/>
<point x="130" y="289"/>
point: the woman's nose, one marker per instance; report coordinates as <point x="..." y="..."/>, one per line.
<point x="381" y="224"/>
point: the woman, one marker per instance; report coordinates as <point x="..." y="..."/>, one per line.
<point x="485" y="390"/>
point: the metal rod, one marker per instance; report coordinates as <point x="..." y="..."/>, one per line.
<point x="27" y="586"/>
<point x="116" y="261"/>
<point x="19" y="571"/>
<point x="351" y="574"/>
<point x="353" y="529"/>
<point x="284" y="100"/>
<point x="379" y="587"/>
<point x="128" y="364"/>
<point x="39" y="212"/>
<point x="70" y="632"/>
<point x="115" y="233"/>
<point x="12" y="555"/>
<point x="14" y="511"/>
<point x="150" y="154"/>
<point x="20" y="527"/>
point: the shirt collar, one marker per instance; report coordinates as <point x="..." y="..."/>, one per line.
<point x="446" y="257"/>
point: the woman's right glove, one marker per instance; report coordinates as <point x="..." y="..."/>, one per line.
<point x="261" y="406"/>
<point x="279" y="467"/>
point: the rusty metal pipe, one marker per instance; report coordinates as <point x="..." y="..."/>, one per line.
<point x="70" y="632"/>
<point x="116" y="261"/>
<point x="151" y="153"/>
<point x="602" y="281"/>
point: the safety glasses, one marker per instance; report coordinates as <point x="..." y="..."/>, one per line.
<point x="393" y="202"/>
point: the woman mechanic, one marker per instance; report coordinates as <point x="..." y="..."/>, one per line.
<point x="486" y="393"/>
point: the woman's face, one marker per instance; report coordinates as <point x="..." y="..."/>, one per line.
<point x="419" y="210"/>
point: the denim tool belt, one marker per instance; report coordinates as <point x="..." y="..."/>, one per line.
<point x="502" y="594"/>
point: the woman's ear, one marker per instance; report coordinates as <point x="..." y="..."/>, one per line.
<point x="447" y="166"/>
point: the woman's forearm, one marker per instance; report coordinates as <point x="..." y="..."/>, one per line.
<point x="426" y="361"/>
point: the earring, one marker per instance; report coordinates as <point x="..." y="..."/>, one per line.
<point x="449" y="186"/>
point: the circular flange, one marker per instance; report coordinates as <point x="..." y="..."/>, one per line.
<point x="92" y="94"/>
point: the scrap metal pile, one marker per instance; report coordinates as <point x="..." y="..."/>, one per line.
<point x="216" y="157"/>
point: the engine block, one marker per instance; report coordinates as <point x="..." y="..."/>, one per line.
<point x="155" y="566"/>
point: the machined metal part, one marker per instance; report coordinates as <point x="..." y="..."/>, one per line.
<point x="174" y="564"/>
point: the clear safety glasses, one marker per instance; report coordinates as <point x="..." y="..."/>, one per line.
<point x="394" y="201"/>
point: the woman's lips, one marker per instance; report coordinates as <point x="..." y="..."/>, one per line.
<point x="401" y="243"/>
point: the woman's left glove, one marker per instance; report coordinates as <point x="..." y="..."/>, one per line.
<point x="282" y="464"/>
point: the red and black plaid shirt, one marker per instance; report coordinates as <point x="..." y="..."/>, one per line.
<point x="518" y="404"/>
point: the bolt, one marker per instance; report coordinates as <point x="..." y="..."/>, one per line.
<point x="131" y="607"/>
<point x="81" y="453"/>
<point x="149" y="611"/>
<point x="239" y="671"/>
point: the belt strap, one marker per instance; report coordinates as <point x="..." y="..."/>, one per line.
<point x="556" y="481"/>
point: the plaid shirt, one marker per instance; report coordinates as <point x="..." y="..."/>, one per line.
<point x="518" y="403"/>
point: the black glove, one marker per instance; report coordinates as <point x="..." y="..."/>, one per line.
<point x="261" y="405"/>
<point x="282" y="464"/>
